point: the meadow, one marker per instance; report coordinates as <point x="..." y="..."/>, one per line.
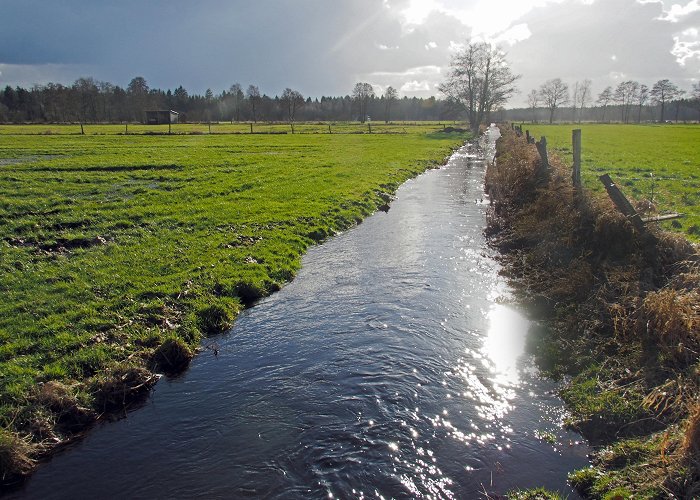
<point x="655" y="163"/>
<point x="112" y="244"/>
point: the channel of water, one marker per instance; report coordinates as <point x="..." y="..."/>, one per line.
<point x="392" y="366"/>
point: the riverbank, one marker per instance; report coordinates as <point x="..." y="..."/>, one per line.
<point x="619" y="315"/>
<point x="147" y="244"/>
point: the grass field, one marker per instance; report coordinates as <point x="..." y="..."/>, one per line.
<point x="112" y="244"/>
<point x="224" y="128"/>
<point x="659" y="163"/>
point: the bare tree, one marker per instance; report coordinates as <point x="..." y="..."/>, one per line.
<point x="292" y="100"/>
<point x="582" y="96"/>
<point x="678" y="100"/>
<point x="642" y="97"/>
<point x="662" y="92"/>
<point x="695" y="98"/>
<point x="604" y="99"/>
<point x="86" y="90"/>
<point x="236" y="98"/>
<point x="390" y="96"/>
<point x="137" y="90"/>
<point x="533" y="100"/>
<point x="554" y="93"/>
<point x="361" y="94"/>
<point x="625" y="94"/>
<point x="480" y="81"/>
<point x="253" y="94"/>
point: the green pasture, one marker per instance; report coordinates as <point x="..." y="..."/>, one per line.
<point x="223" y="128"/>
<point x="110" y="244"/>
<point x="659" y="163"/>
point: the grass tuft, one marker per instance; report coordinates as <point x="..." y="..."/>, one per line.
<point x="121" y="386"/>
<point x="172" y="357"/>
<point x="15" y="457"/>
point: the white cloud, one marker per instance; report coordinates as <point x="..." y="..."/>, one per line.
<point x="430" y="45"/>
<point x="486" y="18"/>
<point x="685" y="50"/>
<point x="419" y="81"/>
<point x="677" y="11"/>
<point x="419" y="10"/>
<point x="415" y="86"/>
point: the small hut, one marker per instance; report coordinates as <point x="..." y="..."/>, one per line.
<point x="162" y="117"/>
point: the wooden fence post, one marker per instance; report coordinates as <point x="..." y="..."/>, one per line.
<point x="527" y="136"/>
<point x="622" y="203"/>
<point x="542" y="171"/>
<point x="576" y="143"/>
<point x="542" y="150"/>
<point x="251" y="128"/>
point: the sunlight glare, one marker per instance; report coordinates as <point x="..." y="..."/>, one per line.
<point x="505" y="342"/>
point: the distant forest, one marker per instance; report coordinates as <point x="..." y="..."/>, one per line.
<point x="91" y="101"/>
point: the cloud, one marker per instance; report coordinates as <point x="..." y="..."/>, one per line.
<point x="415" y="87"/>
<point x="419" y="81"/>
<point x="27" y="75"/>
<point x="324" y="48"/>
<point x="603" y="41"/>
<point x="685" y="51"/>
<point x="512" y="35"/>
<point x="677" y="11"/>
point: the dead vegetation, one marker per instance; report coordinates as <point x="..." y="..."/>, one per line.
<point x="172" y="356"/>
<point x="123" y="385"/>
<point x="622" y="310"/>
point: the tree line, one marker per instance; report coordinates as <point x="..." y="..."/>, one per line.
<point x="90" y="101"/>
<point x="477" y="86"/>
<point x="629" y="102"/>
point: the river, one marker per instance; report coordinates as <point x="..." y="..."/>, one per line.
<point x="392" y="366"/>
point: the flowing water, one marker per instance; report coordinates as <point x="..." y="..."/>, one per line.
<point x="392" y="366"/>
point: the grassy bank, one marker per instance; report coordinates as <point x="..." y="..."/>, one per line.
<point x="620" y="316"/>
<point x="119" y="252"/>
<point x="651" y="163"/>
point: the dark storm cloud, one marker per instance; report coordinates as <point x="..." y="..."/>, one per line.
<point x="197" y="44"/>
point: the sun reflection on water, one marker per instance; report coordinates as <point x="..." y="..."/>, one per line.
<point x="504" y="344"/>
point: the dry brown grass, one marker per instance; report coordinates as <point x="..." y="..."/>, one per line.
<point x="673" y="317"/>
<point x="15" y="457"/>
<point x="691" y="452"/>
<point x="172" y="356"/>
<point x="117" y="388"/>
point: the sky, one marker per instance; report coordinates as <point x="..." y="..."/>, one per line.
<point x="323" y="47"/>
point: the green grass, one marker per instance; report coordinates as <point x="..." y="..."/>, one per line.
<point x="111" y="244"/>
<point x="394" y="127"/>
<point x="630" y="154"/>
<point x="534" y="494"/>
